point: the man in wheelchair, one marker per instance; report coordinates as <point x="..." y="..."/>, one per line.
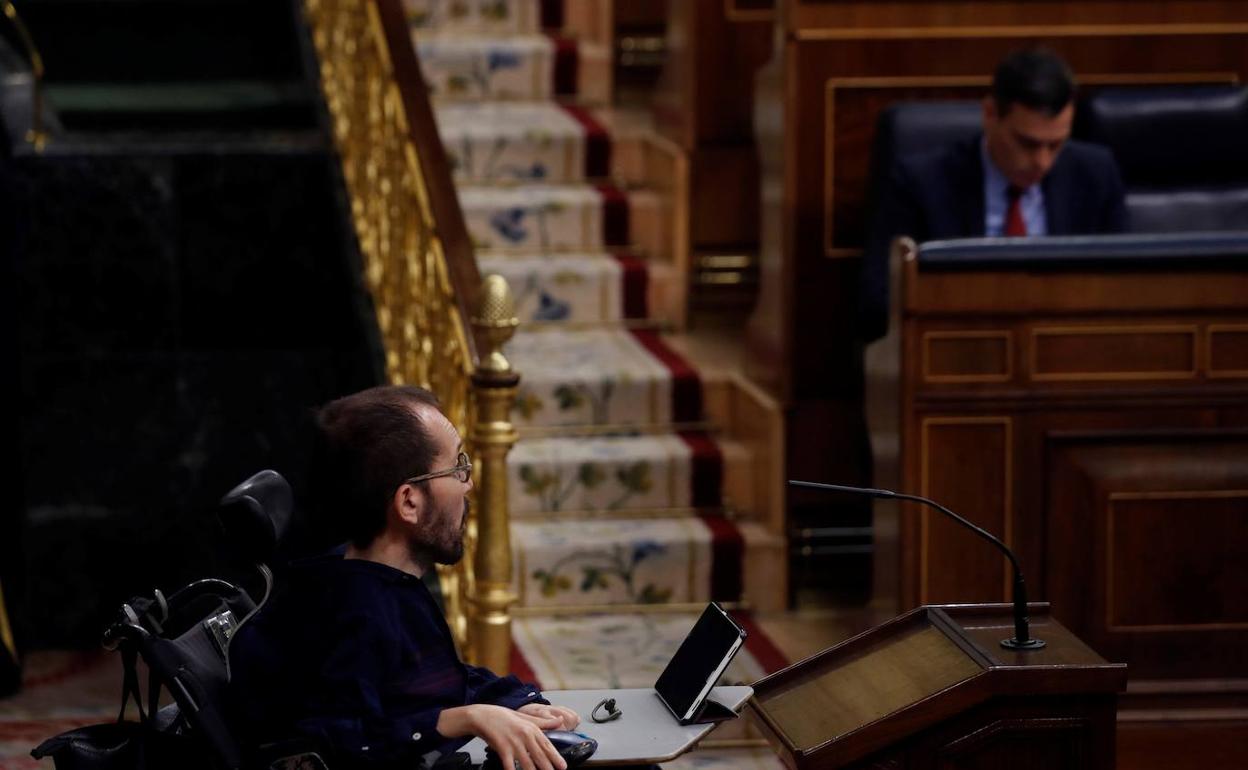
<point x="352" y="650"/>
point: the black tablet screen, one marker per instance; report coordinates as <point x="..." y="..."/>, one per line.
<point x="699" y="662"/>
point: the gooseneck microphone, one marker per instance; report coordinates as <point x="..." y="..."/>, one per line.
<point x="1022" y="639"/>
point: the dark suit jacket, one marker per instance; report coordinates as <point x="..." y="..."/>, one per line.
<point x="940" y="194"/>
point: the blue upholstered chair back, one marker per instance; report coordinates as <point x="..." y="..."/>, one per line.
<point x="1182" y="150"/>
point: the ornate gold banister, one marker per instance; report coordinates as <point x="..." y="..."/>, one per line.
<point x="420" y="270"/>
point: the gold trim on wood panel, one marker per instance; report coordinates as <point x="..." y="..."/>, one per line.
<point x="1208" y="351"/>
<point x="925" y="489"/>
<point x="1086" y="331"/>
<point x="1210" y="494"/>
<point x="1006" y="376"/>
<point x="734" y="14"/>
<point x="831" y="85"/>
<point x="1009" y="31"/>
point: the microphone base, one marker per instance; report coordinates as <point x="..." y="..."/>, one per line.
<point x="1013" y="644"/>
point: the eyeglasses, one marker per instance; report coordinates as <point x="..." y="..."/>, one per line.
<point x="462" y="471"/>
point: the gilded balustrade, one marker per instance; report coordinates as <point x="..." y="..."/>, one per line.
<point x="406" y="271"/>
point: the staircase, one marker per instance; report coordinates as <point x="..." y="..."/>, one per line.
<point x="645" y="481"/>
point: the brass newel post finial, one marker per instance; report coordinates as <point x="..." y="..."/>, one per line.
<point x="494" y="391"/>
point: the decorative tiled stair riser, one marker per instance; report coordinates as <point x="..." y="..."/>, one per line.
<point x="578" y="288"/>
<point x="614" y="474"/>
<point x="497" y="17"/>
<point x="601" y="377"/>
<point x="524" y="67"/>
<point x="545" y="218"/>
<point x="522" y="142"/>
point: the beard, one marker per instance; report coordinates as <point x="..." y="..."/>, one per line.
<point x="441" y="541"/>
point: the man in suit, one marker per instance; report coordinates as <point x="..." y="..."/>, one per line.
<point x="1022" y="176"/>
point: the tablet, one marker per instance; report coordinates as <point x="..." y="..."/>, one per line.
<point x="699" y="663"/>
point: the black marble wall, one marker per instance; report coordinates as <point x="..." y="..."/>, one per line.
<point x="180" y="309"/>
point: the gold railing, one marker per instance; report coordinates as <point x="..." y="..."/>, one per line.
<point x="394" y="172"/>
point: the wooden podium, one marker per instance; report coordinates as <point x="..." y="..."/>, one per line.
<point x="933" y="688"/>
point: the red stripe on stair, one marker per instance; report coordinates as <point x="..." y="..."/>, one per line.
<point x="597" y="142"/>
<point x="635" y="279"/>
<point x="760" y="645"/>
<point x="727" y="558"/>
<point x="686" y="385"/>
<point x="519" y="665"/>
<point x="708" y="469"/>
<point x="614" y="215"/>
<point x="566" y="65"/>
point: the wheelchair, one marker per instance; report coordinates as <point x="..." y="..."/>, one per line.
<point x="184" y="641"/>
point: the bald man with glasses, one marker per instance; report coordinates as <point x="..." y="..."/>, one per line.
<point x="354" y="652"/>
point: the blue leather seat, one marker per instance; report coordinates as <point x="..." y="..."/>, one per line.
<point x="1181" y="149"/>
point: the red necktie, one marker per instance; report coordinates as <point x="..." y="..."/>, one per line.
<point x="1014" y="224"/>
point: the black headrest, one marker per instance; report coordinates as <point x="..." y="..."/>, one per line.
<point x="909" y="127"/>
<point x="1172" y="135"/>
<point x="1126" y="252"/>
<point x="1188" y="209"/>
<point x="256" y="514"/>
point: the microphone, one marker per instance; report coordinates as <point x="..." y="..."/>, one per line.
<point x="1022" y="639"/>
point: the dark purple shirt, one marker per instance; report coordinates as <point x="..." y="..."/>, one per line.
<point x="357" y="656"/>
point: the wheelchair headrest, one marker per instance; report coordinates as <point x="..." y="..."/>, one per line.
<point x="256" y="514"/>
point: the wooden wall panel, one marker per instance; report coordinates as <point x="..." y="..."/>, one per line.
<point x="954" y="564"/>
<point x="1148" y="547"/>
<point x="1191" y="543"/>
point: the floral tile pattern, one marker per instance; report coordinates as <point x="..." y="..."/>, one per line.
<point x="606" y="473"/>
<point x="469" y="67"/>
<point x="512" y="142"/>
<point x="567" y="287"/>
<point x="541" y="218"/>
<point x="500" y="17"/>
<point x="648" y="561"/>
<point x="588" y="377"/>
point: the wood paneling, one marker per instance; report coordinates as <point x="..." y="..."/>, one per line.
<point x="1124" y="484"/>
<point x="967" y="356"/>
<point x="1085" y="353"/>
<point x="1148" y="544"/>
<point x="1228" y="351"/>
<point x="1176" y="561"/>
<point x="949" y="446"/>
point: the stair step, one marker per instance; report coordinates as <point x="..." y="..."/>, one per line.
<point x="614" y="474"/>
<point x="484" y="67"/>
<point x="545" y="218"/>
<point x="626" y="561"/>
<point x="576" y="288"/>
<point x="601" y="377"/>
<point x="519" y="142"/>
<point x="487" y="16"/>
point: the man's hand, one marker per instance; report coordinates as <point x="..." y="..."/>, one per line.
<point x="516" y="737"/>
<point x="568" y="719"/>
